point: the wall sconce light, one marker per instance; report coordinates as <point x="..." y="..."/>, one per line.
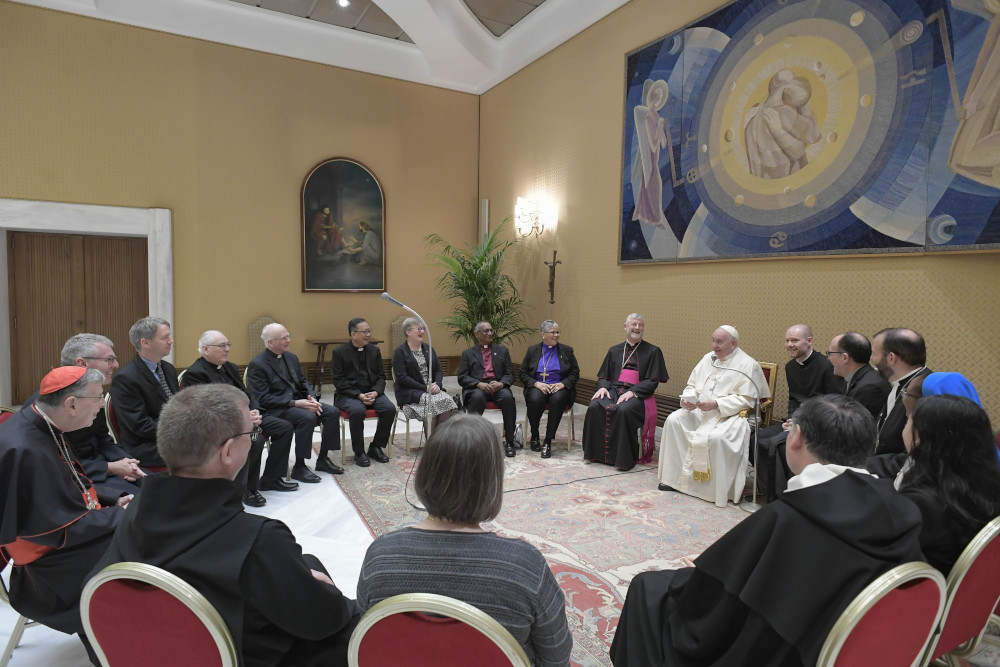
<point x="527" y="218"/>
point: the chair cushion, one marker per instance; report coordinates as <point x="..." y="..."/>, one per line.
<point x="416" y="639"/>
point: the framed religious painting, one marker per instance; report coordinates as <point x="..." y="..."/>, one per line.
<point x="808" y="127"/>
<point x="343" y="228"/>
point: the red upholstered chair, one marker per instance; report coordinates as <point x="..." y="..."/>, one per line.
<point x="890" y="622"/>
<point x="6" y="413"/>
<point x="109" y="413"/>
<point x="572" y="433"/>
<point x="973" y="591"/>
<point x="369" y="414"/>
<point x="425" y="630"/>
<point x="130" y="607"/>
<point x="22" y="622"/>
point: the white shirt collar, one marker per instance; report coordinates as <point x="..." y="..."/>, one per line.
<point x="817" y="473"/>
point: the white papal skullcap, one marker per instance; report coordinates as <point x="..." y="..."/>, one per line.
<point x="731" y="331"/>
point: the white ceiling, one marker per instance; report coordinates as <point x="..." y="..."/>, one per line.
<point x="449" y="46"/>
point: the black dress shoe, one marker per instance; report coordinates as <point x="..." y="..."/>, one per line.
<point x="326" y="465"/>
<point x="663" y="487"/>
<point x="361" y="459"/>
<point x="277" y="485"/>
<point x="304" y="474"/>
<point x="546" y="449"/>
<point x="254" y="499"/>
<point x="377" y="454"/>
<point x="535" y="445"/>
<point x="509" y="450"/>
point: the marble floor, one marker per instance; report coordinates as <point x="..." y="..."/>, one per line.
<point x="322" y="518"/>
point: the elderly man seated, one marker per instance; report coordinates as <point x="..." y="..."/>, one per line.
<point x="703" y="451"/>
<point x="768" y="591"/>
<point x="53" y="526"/>
<point x="279" y="605"/>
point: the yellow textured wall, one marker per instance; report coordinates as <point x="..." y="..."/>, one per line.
<point x="554" y="132"/>
<point x="100" y="113"/>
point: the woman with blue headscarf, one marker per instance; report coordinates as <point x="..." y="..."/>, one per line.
<point x="952" y="474"/>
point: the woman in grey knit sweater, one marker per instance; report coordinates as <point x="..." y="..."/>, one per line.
<point x="460" y="482"/>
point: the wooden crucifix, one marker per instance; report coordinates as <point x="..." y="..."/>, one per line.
<point x="552" y="276"/>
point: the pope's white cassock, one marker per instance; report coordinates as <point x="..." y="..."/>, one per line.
<point x="704" y="454"/>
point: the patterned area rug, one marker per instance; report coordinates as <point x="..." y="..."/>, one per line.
<point x="596" y="526"/>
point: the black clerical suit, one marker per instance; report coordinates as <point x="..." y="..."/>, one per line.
<point x="869" y="389"/>
<point x="890" y="427"/>
<point x="275" y="384"/>
<point x="136" y="400"/>
<point x="535" y="401"/>
<point x="767" y="592"/>
<point x="610" y="428"/>
<point x="470" y="374"/>
<point x="357" y="371"/>
<point x="45" y="525"/>
<point x="248" y="566"/>
<point x="812" y="377"/>
<point x="275" y="428"/>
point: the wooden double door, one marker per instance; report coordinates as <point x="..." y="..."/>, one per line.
<point x="65" y="284"/>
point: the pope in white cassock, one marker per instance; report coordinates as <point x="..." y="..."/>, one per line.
<point x="703" y="451"/>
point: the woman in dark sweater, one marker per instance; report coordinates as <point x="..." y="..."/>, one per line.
<point x="460" y="482"/>
<point x="952" y="475"/>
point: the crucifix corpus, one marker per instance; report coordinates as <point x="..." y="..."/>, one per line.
<point x="552" y="276"/>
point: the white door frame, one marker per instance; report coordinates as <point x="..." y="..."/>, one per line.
<point x="52" y="217"/>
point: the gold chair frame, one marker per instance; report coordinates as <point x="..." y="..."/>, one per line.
<point x="766" y="404"/>
<point x="572" y="430"/>
<point x="867" y="599"/>
<point x="961" y="567"/>
<point x="172" y="585"/>
<point x="22" y="622"/>
<point x="441" y="605"/>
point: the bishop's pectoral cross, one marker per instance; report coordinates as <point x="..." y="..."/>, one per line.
<point x="545" y="376"/>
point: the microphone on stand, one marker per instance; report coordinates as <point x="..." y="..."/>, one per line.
<point x="752" y="506"/>
<point x="385" y="296"/>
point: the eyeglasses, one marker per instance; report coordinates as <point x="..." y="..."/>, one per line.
<point x="417" y="329"/>
<point x="253" y="433"/>
<point x="99" y="397"/>
<point x="554" y="333"/>
<point x="108" y="360"/>
<point x="224" y="346"/>
<point x="367" y="332"/>
<point x="284" y="338"/>
<point x="830" y="353"/>
<point x="485" y="331"/>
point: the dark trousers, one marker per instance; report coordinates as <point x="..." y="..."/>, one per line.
<point x="304" y="422"/>
<point x="475" y="401"/>
<point x="535" y="401"/>
<point x="280" y="432"/>
<point x="772" y="469"/>
<point x="356" y="410"/>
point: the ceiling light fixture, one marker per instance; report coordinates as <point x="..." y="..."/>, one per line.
<point x="344" y="3"/>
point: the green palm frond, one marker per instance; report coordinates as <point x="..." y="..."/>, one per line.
<point x="473" y="277"/>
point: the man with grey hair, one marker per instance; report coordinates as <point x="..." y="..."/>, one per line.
<point x="486" y="374"/>
<point x="52" y="525"/>
<point x="280" y="606"/>
<point x="142" y="387"/>
<point x="703" y="451"/>
<point x="213" y="366"/>
<point x="280" y="388"/>
<point x="110" y="468"/>
<point x="624" y="401"/>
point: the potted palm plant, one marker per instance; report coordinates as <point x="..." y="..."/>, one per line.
<point x="473" y="277"/>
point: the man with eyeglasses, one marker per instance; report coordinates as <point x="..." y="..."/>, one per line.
<point x="142" y="387"/>
<point x="280" y="605"/>
<point x="808" y="373"/>
<point x="279" y="387"/>
<point x="486" y="374"/>
<point x="109" y="467"/>
<point x="54" y="526"/>
<point x="850" y="353"/>
<point x="213" y="366"/>
<point x="359" y="376"/>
